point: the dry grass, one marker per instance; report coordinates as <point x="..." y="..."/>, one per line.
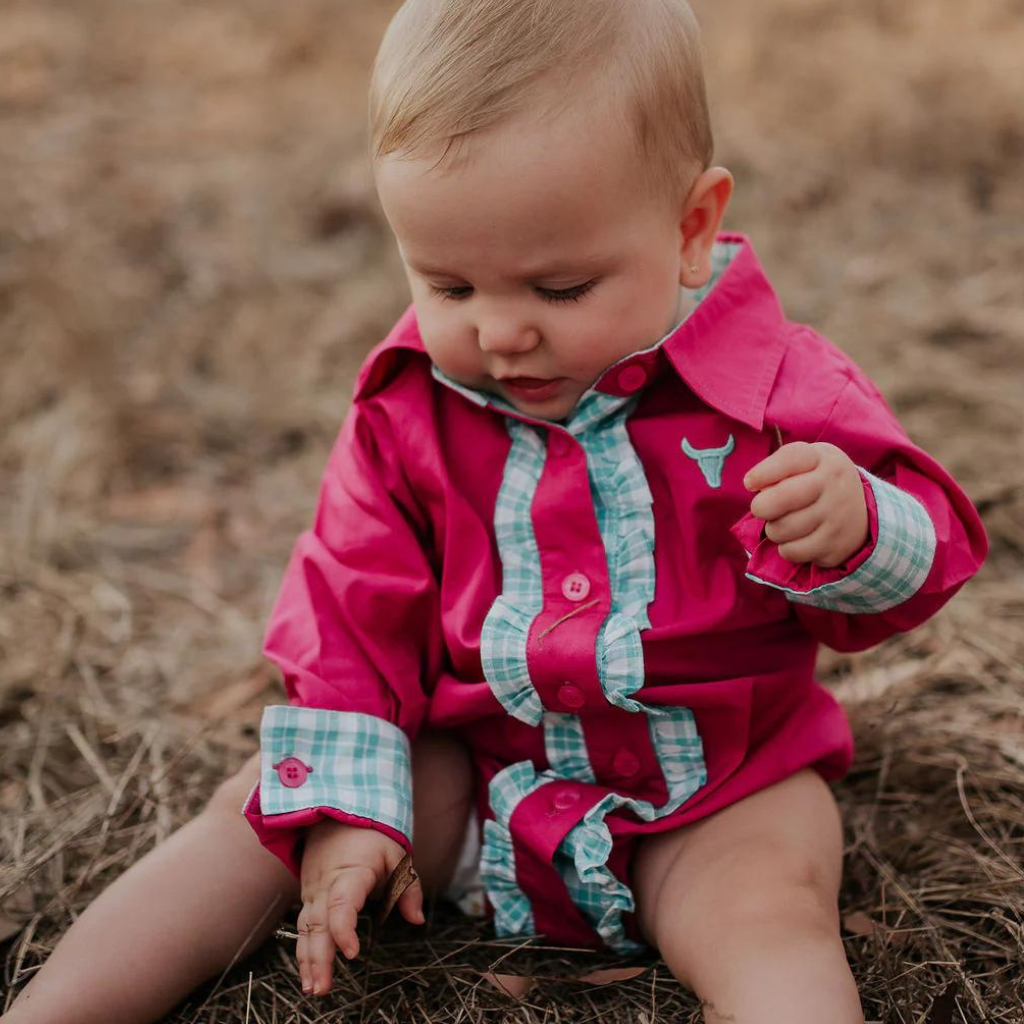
<point x="192" y="265"/>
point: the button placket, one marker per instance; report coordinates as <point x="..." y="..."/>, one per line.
<point x="561" y="653"/>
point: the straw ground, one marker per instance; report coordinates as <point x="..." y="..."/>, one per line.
<point x="191" y="267"/>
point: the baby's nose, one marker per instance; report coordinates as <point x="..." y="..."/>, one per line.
<point x="505" y="336"/>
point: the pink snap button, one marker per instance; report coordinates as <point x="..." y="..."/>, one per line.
<point x="570" y="696"/>
<point x="292" y="772"/>
<point x="575" y="586"/>
<point x="632" y="378"/>
<point x="625" y="763"/>
<point x="564" y="799"/>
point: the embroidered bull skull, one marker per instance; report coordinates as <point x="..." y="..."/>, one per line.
<point x="710" y="460"/>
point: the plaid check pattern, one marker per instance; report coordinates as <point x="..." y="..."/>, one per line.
<point x="896" y="568"/>
<point x="360" y="764"/>
<point x="566" y="748"/>
<point x="513" y="914"/>
<point x="507" y="625"/>
<point x="623" y="506"/>
<point x="620" y="663"/>
<point x="581" y="857"/>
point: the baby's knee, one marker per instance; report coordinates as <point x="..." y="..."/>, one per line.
<point x="798" y="898"/>
<point x="772" y="882"/>
<point x="442" y="768"/>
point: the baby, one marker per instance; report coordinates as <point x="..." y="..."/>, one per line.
<point x="594" y="506"/>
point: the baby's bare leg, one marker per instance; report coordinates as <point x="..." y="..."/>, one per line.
<point x="176" y="917"/>
<point x="743" y="907"/>
<point x="207" y="897"/>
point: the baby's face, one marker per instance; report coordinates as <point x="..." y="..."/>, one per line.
<point x="536" y="254"/>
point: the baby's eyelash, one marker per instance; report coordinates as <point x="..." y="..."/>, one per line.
<point x="573" y="294"/>
<point x="450" y="293"/>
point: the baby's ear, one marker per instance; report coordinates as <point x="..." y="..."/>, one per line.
<point x="701" y="218"/>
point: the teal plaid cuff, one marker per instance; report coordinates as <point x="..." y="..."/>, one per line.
<point x="896" y="568"/>
<point x="352" y="762"/>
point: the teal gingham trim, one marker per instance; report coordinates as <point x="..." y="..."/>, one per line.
<point x="566" y="747"/>
<point x="513" y="914"/>
<point x="361" y="764"/>
<point x="680" y="752"/>
<point x="582" y="856"/>
<point x="623" y="506"/>
<point x="506" y="627"/>
<point x="893" y="572"/>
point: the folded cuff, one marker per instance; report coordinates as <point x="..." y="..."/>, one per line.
<point x="314" y="763"/>
<point x="890" y="568"/>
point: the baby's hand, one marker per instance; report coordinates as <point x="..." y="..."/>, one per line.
<point x="812" y="501"/>
<point x="343" y="865"/>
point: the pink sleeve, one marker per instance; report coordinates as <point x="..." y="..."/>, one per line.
<point x="356" y="633"/>
<point x="925" y="537"/>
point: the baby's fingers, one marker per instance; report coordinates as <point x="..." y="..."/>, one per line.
<point x="789" y="460"/>
<point x="790" y="495"/>
<point x="794" y="526"/>
<point x="345" y="899"/>
<point x="315" y="948"/>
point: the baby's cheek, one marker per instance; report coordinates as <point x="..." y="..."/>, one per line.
<point x="455" y="351"/>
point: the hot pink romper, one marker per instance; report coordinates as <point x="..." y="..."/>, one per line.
<point x="590" y="603"/>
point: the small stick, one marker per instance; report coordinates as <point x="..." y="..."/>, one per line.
<point x="401" y="878"/>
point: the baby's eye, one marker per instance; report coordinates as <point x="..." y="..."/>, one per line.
<point x="458" y="292"/>
<point x="573" y="294"/>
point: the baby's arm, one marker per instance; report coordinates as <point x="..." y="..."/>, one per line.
<point x="356" y="633"/>
<point x="924" y="537"/>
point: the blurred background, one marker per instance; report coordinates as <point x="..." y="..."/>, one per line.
<point x="192" y="266"/>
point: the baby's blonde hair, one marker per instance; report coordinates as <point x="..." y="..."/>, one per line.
<point x="449" y="68"/>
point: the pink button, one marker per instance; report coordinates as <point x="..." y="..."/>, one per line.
<point x="565" y="798"/>
<point x="570" y="696"/>
<point x="292" y="772"/>
<point x="625" y="763"/>
<point x="632" y="378"/>
<point x="576" y="586"/>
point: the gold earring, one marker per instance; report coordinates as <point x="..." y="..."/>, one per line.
<point x="694" y="269"/>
